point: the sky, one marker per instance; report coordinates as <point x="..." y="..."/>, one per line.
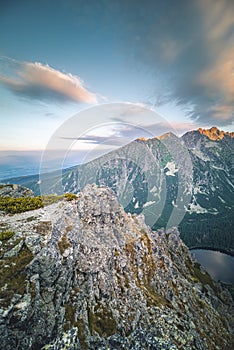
<point x="61" y="58"/>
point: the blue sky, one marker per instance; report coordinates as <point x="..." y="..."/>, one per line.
<point x="61" y="57"/>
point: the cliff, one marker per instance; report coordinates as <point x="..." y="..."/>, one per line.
<point x="86" y="275"/>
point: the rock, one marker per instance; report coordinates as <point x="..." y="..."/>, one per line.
<point x="15" y="191"/>
<point x="33" y="243"/>
<point x="14" y="251"/>
<point x="103" y="280"/>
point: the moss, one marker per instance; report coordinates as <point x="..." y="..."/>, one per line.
<point x="8" y="244"/>
<point x="5" y="235"/>
<point x="31" y="218"/>
<point x="13" y="275"/>
<point x="63" y="244"/>
<point x="70" y="196"/>
<point x="43" y="227"/>
<point x="153" y="298"/>
<point x="81" y="334"/>
<point x="198" y="275"/>
<point x="70" y="317"/>
<point x="149" y="269"/>
<point x="116" y="252"/>
<point x="101" y="321"/>
<point x="69" y="228"/>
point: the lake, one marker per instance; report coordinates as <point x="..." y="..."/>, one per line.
<point x="219" y="265"/>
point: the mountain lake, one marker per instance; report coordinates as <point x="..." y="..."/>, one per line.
<point x="219" y="265"/>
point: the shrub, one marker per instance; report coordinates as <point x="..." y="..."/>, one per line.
<point x="70" y="196"/>
<point x="19" y="205"/>
<point x="5" y="235"/>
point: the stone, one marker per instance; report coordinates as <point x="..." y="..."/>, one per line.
<point x="101" y="279"/>
<point x="15" y="250"/>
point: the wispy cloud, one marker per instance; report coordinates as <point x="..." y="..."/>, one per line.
<point x="38" y="81"/>
<point x="189" y="49"/>
<point x="118" y="124"/>
<point x="121" y="133"/>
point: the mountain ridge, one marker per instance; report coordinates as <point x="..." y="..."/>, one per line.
<point x="186" y="181"/>
<point x="87" y="275"/>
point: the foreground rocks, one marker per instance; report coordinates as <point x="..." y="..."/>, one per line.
<point x="15" y="191"/>
<point x="86" y="275"/>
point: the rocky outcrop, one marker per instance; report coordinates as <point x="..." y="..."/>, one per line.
<point x="215" y="134"/>
<point x="15" y="191"/>
<point x="98" y="278"/>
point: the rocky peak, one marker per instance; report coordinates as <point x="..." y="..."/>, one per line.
<point x="101" y="279"/>
<point x="142" y="139"/>
<point x="215" y="134"/>
<point x="161" y="137"/>
<point x="167" y="135"/>
<point x="15" y="191"/>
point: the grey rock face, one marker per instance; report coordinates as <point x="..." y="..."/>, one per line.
<point x="15" y="191"/>
<point x="14" y="251"/>
<point x="101" y="279"/>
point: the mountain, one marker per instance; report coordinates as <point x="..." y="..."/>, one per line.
<point x="209" y="221"/>
<point x="186" y="182"/>
<point x="86" y="275"/>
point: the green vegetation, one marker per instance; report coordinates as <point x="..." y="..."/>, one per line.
<point x="70" y="196"/>
<point x="210" y="231"/>
<point x="13" y="276"/>
<point x="198" y="275"/>
<point x="22" y="204"/>
<point x="148" y="267"/>
<point x="43" y="227"/>
<point x="70" y="316"/>
<point x="81" y="334"/>
<point x="5" y="235"/>
<point x="101" y="321"/>
<point x="63" y="244"/>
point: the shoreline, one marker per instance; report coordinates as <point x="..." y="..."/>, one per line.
<point x="224" y="251"/>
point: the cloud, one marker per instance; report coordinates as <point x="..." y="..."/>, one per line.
<point x="38" y="81"/>
<point x="118" y="124"/>
<point x="117" y="134"/>
<point x="121" y="133"/>
<point x="189" y="50"/>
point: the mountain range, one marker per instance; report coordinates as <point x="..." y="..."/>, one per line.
<point x="183" y="181"/>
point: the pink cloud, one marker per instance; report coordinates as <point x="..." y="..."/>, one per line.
<point x="39" y="81"/>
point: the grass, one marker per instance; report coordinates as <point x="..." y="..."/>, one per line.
<point x="101" y="321"/>
<point x="19" y="205"/>
<point x="5" y="235"/>
<point x="198" y="275"/>
<point x="13" y="276"/>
